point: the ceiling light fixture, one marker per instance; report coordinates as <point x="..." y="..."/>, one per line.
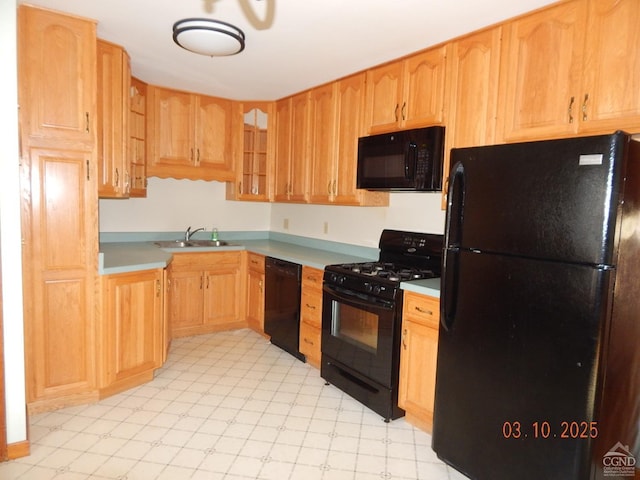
<point x="210" y="37"/>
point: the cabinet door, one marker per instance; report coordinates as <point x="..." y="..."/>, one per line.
<point x="255" y="300"/>
<point x="213" y="134"/>
<point x="418" y="358"/>
<point x="423" y="89"/>
<point x="384" y="97"/>
<point x="134" y="324"/>
<point x="59" y="223"/>
<point x="171" y="128"/>
<point x="113" y="121"/>
<point x="540" y="73"/>
<point x="323" y="143"/>
<point x="283" y="150"/>
<point x="57" y="69"/>
<point x="222" y="296"/>
<point x="185" y="302"/>
<point x="298" y="173"/>
<point x="473" y="68"/>
<point x="610" y="98"/>
<point x="138" y="138"/>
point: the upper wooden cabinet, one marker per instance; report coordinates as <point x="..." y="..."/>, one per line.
<point x="138" y="137"/>
<point x="190" y="136"/>
<point x="114" y="79"/>
<point x="292" y="149"/>
<point x="58" y="77"/>
<point x="473" y="65"/>
<point x="407" y="93"/>
<point x="255" y="159"/>
<point x="323" y="106"/>
<point x="570" y="69"/>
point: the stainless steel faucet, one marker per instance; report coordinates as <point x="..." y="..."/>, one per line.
<point x="189" y="233"/>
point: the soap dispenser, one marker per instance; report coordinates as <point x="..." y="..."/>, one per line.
<point x="214" y="234"/>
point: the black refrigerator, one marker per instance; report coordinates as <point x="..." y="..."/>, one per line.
<point x="538" y="371"/>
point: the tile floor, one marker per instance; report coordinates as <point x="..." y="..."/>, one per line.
<point x="226" y="406"/>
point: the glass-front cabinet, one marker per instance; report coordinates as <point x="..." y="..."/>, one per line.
<point x="253" y="171"/>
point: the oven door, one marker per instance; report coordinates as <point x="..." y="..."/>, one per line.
<point x="362" y="332"/>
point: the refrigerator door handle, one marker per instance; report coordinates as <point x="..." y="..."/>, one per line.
<point x="452" y="240"/>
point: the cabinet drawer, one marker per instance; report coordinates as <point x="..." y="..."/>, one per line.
<point x="255" y="261"/>
<point x="312" y="277"/>
<point x="311" y="307"/>
<point x="209" y="260"/>
<point x="310" y="338"/>
<point x="422" y="309"/>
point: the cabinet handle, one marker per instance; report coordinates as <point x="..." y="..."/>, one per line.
<point x="86" y="120"/>
<point x="207" y="282"/>
<point x="201" y="282"/>
<point x="571" y="109"/>
<point x="306" y="340"/>
<point x="240" y="188"/>
<point x="191" y="159"/>
<point x="260" y="285"/>
<point x="197" y="156"/>
<point x="117" y="177"/>
<point x="584" y="107"/>
<point x="88" y="177"/>
<point x="158" y="288"/>
<point x="404" y="109"/>
<point x="404" y="338"/>
<point x="312" y="307"/>
<point x="329" y="187"/>
<point x="126" y="182"/>
<point x="422" y="310"/>
<point x="395" y="112"/>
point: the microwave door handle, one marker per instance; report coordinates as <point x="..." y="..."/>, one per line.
<point x="410" y="159"/>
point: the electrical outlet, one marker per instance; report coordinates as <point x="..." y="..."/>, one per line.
<point x="326" y="227"/>
<point x="285" y="224"/>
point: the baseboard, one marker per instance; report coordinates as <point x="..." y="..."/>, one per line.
<point x="19" y="449"/>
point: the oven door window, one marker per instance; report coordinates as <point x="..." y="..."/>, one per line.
<point x="355" y="326"/>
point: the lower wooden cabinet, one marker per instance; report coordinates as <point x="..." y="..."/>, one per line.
<point x="418" y="356"/>
<point x="204" y="293"/>
<point x="255" y="292"/>
<point x="132" y="329"/>
<point x="311" y="315"/>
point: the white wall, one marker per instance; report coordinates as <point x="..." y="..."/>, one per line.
<point x="173" y="205"/>
<point x="10" y="228"/>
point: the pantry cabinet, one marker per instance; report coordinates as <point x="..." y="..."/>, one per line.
<point x="311" y="315"/>
<point x="418" y="357"/>
<point x="114" y="78"/>
<point x="59" y="206"/>
<point x="205" y="292"/>
<point x="138" y="138"/>
<point x="131" y="329"/>
<point x="407" y="93"/>
<point x="190" y="136"/>
<point x="255" y="292"/>
<point x="292" y="149"/>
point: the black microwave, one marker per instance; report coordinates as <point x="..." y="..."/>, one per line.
<point x="407" y="160"/>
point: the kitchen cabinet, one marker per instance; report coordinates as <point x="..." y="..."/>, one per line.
<point x="205" y="292"/>
<point x="323" y="107"/>
<point x="131" y="330"/>
<point x="408" y="93"/>
<point x="57" y="55"/>
<point x="418" y="357"/>
<point x="292" y="149"/>
<point x="566" y="70"/>
<point x="255" y="164"/>
<point x="138" y="138"/>
<point x="255" y="292"/>
<point x="114" y="79"/>
<point x="189" y="135"/>
<point x="473" y="65"/>
<point x="311" y="315"/>
<point x="59" y="206"/>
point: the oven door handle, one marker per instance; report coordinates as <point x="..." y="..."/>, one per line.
<point x="360" y="300"/>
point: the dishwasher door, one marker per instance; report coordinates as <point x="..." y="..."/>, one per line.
<point x="282" y="304"/>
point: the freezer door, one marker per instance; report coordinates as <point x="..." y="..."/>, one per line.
<point x="552" y="199"/>
<point x="517" y="367"/>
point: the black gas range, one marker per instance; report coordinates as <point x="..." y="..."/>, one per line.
<point x="362" y="315"/>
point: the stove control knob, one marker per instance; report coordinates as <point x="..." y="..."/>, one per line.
<point x="368" y="287"/>
<point x="376" y="289"/>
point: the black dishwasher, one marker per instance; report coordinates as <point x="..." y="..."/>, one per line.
<point x="282" y="304"/>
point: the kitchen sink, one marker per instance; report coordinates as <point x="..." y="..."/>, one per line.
<point x="193" y="243"/>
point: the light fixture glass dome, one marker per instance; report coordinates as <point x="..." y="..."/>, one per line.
<point x="210" y="37"/>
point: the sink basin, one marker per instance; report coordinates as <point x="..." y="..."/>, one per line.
<point x="192" y="243"/>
